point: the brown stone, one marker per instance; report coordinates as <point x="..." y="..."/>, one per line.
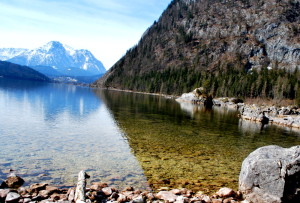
<point x="3" y="193"/>
<point x="129" y="188"/>
<point x="176" y="191"/>
<point x="217" y="200"/>
<point x="150" y="196"/>
<point x="44" y="193"/>
<point x="205" y="198"/>
<point x="35" y="188"/>
<point x="228" y="200"/>
<point x="166" y="196"/>
<point x="14" y="182"/>
<point x="100" y="184"/>
<point x="95" y="187"/>
<point x="22" y="191"/>
<point x="226" y="192"/>
<point x="57" y="196"/>
<point x="114" y="196"/>
<point x="122" y="198"/>
<point x="52" y="189"/>
<point x="107" y="191"/>
<point x="129" y="194"/>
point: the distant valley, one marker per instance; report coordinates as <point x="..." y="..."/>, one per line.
<point x="57" y="61"/>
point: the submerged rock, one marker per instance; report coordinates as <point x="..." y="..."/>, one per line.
<point x="271" y="174"/>
<point x="14" y="181"/>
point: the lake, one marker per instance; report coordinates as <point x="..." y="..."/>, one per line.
<point x="49" y="132"/>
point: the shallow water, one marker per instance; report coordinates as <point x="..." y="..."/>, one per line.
<point x="49" y="132"/>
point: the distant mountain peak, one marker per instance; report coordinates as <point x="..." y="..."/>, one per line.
<point x="61" y="57"/>
<point x="52" y="45"/>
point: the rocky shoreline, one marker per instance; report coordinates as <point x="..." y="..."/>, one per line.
<point x="287" y="116"/>
<point x="269" y="174"/>
<point x="12" y="192"/>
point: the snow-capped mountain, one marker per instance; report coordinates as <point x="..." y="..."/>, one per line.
<point x="61" y="58"/>
<point x="8" y="53"/>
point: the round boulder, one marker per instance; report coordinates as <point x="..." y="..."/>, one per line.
<point x="271" y="174"/>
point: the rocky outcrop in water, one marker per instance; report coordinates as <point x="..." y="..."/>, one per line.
<point x="285" y="116"/>
<point x="271" y="175"/>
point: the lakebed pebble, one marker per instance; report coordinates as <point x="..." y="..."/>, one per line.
<point x="101" y="192"/>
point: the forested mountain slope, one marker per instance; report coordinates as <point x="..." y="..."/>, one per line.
<point x="11" y="70"/>
<point x="246" y="48"/>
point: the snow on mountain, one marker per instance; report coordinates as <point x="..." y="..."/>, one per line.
<point x="8" y="53"/>
<point x="62" y="58"/>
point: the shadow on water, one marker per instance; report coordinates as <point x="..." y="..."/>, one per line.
<point x="182" y="145"/>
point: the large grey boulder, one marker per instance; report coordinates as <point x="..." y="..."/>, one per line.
<point x="271" y="174"/>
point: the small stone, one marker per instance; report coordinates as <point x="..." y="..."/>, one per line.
<point x="226" y="192"/>
<point x="206" y="199"/>
<point x="217" y="201"/>
<point x="137" y="192"/>
<point x="167" y="196"/>
<point x="12" y="197"/>
<point x="228" y="200"/>
<point x="14" y="181"/>
<point x="26" y="200"/>
<point x="114" y="196"/>
<point x="139" y="199"/>
<point x="52" y="189"/>
<point x="129" y="195"/>
<point x="100" y="184"/>
<point x="3" y="193"/>
<point x="96" y="187"/>
<point x="71" y="194"/>
<point x="44" y="193"/>
<point x="107" y="191"/>
<point x="122" y="198"/>
<point x="129" y="188"/>
<point x="55" y="197"/>
<point x="150" y="196"/>
<point x="22" y="191"/>
<point x="199" y="194"/>
<point x="183" y="191"/>
<point x="35" y="188"/>
<point x="176" y="191"/>
<point x="182" y="199"/>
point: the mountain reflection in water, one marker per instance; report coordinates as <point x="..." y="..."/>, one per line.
<point x="182" y="145"/>
<point x="49" y="132"/>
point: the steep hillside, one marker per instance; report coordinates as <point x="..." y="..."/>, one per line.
<point x="10" y="70"/>
<point x="248" y="48"/>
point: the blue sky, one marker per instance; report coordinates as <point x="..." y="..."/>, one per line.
<point x="105" y="27"/>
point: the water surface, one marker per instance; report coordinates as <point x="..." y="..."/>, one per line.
<point x="49" y="132"/>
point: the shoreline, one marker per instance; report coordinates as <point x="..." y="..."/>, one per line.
<point x="12" y="192"/>
<point x="284" y="116"/>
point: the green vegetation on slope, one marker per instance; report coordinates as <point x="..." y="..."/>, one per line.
<point x="225" y="46"/>
<point x="11" y="70"/>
